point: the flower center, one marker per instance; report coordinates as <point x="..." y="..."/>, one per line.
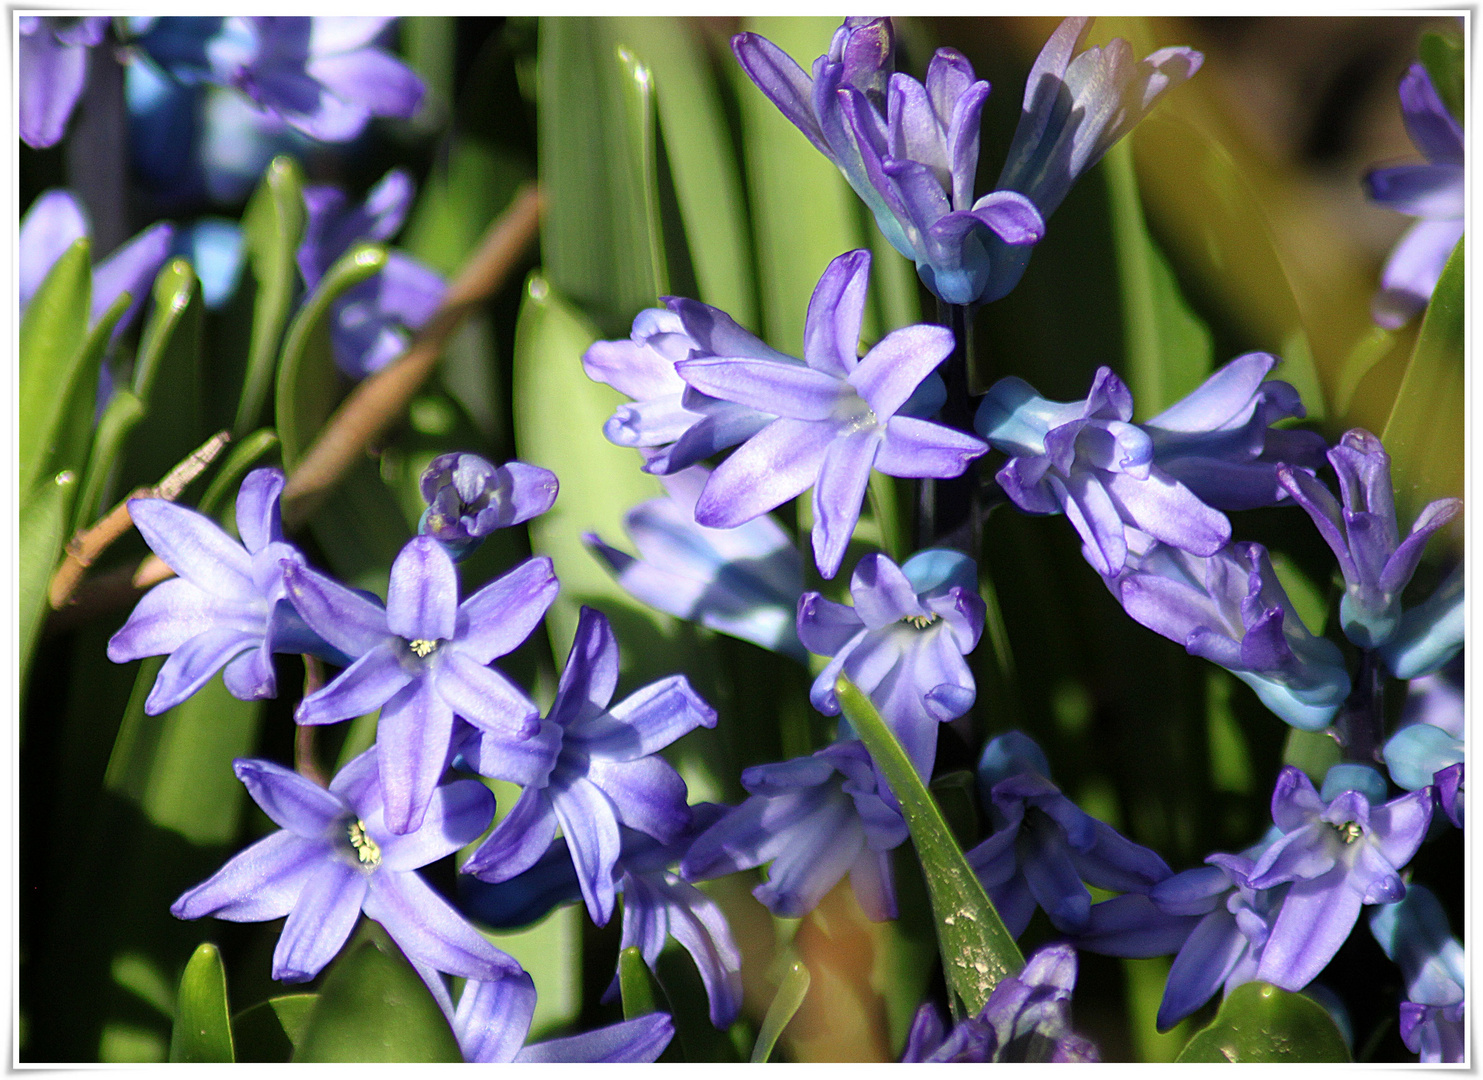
<point x="366" y="849"/>
<point x="422" y="646"/>
<point x="1349" y="832"/>
<point x="921" y="622"/>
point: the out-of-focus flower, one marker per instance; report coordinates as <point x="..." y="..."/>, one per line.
<point x="744" y="581"/>
<point x="1027" y="1018"/>
<point x="814" y="819"/>
<point x="902" y="644"/>
<point x="333" y="857"/>
<point x="1433" y="192"/>
<point x="52" y="72"/>
<point x="909" y="151"/>
<point x="228" y="606"/>
<point x="1377" y="564"/>
<point x="1231" y="609"/>
<point x="1339" y="850"/>
<point x="371" y="322"/>
<point x="1429" y="634"/>
<point x="1414" y="933"/>
<point x="607" y="771"/>
<point x="468" y="498"/>
<point x="1088" y="460"/>
<point x="422" y="659"/>
<point x="1044" y="846"/>
<point x="1427" y="747"/>
<point x="838" y="416"/>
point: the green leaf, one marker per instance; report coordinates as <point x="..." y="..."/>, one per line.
<point x="120" y="417"/>
<point x="308" y="386"/>
<point x="1259" y="1023"/>
<point x="269" y="1031"/>
<point x="1167" y="348"/>
<point x="1442" y="53"/>
<point x="74" y="435"/>
<point x="636" y="984"/>
<point x="702" y="159"/>
<point x="203" y="1026"/>
<point x="375" y="1007"/>
<point x="1424" y="435"/>
<point x="242" y="458"/>
<point x="977" y="950"/>
<point x="167" y="378"/>
<point x="51" y="336"/>
<point x="42" y="531"/>
<point x="272" y="228"/>
<point x="784" y="1004"/>
<point x="601" y="243"/>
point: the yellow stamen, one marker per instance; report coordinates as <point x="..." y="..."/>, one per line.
<point x="366" y="849"/>
<point x="921" y="622"/>
<point x="422" y="647"/>
<point x="1349" y="832"/>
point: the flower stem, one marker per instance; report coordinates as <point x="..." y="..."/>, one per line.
<point x="945" y="507"/>
<point x="306" y="762"/>
<point x="1361" y="726"/>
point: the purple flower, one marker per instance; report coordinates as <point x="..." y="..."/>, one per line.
<point x="1377" y="565"/>
<point x="814" y="819"/>
<point x="468" y="498"/>
<point x="744" y="581"/>
<point x="606" y="772"/>
<point x="228" y="606"/>
<point x="902" y="643"/>
<point x="1218" y="441"/>
<point x="422" y="659"/>
<point x="1231" y="609"/>
<point x="1427" y="748"/>
<point x="1088" y="460"/>
<point x="1339" y="852"/>
<point x="1078" y="103"/>
<point x="910" y="151"/>
<point x="334" y="857"/>
<point x="372" y="320"/>
<point x="1414" y="933"/>
<point x="1433" y="192"/>
<point x="1027" y="1018"/>
<point x="1044" y="846"/>
<point x="1429" y="634"/>
<point x="673" y="425"/>
<point x="52" y="71"/>
<point x="838" y="417"/>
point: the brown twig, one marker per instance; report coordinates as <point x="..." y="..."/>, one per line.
<point x="306" y="761"/>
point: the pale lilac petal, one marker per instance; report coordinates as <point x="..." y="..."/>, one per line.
<point x="1399" y="826"/>
<point x="321" y="920"/>
<point x="1202" y="966"/>
<point x="261" y="882"/>
<point x="898" y="363"/>
<point x="1413" y="270"/>
<point x="919" y="448"/>
<point x="51" y="76"/>
<point x="347" y="620"/>
<point x="749" y="835"/>
<point x="292" y="801"/>
<point x="422" y="599"/>
<point x="633" y="369"/>
<point x="493" y="1018"/>
<point x="1434" y="192"/>
<point x="456" y="814"/>
<point x="497" y="618"/>
<point x="591" y="672"/>
<point x="415" y="733"/>
<point x="172" y="613"/>
<point x="791" y="390"/>
<point x="786" y="84"/>
<point x="371" y="79"/>
<point x="1168" y="511"/>
<point x="192" y="664"/>
<point x="259" y="520"/>
<point x="838" y="494"/>
<point x="52" y="225"/>
<point x="429" y="930"/>
<point x="778" y="463"/>
<point x="131" y="269"/>
<point x="194" y="547"/>
<point x="647" y="794"/>
<point x="831" y="330"/>
<point x="640" y="1040"/>
<point x="874" y="885"/>
<point x="825" y="627"/>
<point x="484" y="697"/>
<point x="1431" y="127"/>
<point x="588" y="820"/>
<point x="698" y="924"/>
<point x="646" y="721"/>
<point x="518" y="841"/>
<point x="527" y="762"/>
<point x="364" y="686"/>
<point x="1314" y="921"/>
<point x="814" y="862"/>
<point x="882" y="594"/>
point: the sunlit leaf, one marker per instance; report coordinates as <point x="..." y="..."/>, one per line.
<point x="167" y="378"/>
<point x="269" y="1031"/>
<point x="203" y="1026"/>
<point x="785" y="1003"/>
<point x="272" y="227"/>
<point x="42" y="530"/>
<point x="635" y="983"/>
<point x="122" y="415"/>
<point x="52" y="333"/>
<point x="1259" y="1023"/>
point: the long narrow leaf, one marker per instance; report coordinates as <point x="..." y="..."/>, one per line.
<point x="42" y="530"/>
<point x="784" y="1004"/>
<point x="272" y="227"/>
<point x="52" y="332"/>
<point x="635" y="983"/>
<point x="203" y="1025"/>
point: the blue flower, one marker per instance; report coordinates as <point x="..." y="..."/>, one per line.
<point x="1044" y="846"/>
<point x="1433" y="192"/>
<point x="814" y="819"/>
<point x="838" y="416"/>
<point x="744" y="581"/>
<point x="227" y="608"/>
<point x="422" y="660"/>
<point x="1377" y="564"/>
<point x="606" y="772"/>
<point x="902" y="644"/>
<point x="1428" y="746"/>
<point x="1429" y="634"/>
<point x="1414" y="933"/>
<point x="1027" y="1018"/>
<point x="468" y="498"/>
<point x="334" y="857"/>
<point x="52" y="72"/>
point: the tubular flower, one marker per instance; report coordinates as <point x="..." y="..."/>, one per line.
<point x="468" y="498"/>
<point x="1433" y="192"/>
<point x="607" y="771"/>
<point x="1429" y="634"/>
<point x="422" y="659"/>
<point x="1414" y="933"/>
<point x="1428" y="746"/>
<point x="902" y="644"/>
<point x="52" y="72"/>
<point x="838" y="417"/>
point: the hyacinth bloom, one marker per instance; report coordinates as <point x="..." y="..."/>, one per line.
<point x="838" y="417"/>
<point x="744" y="581"/>
<point x="323" y="75"/>
<point x="228" y="607"/>
<point x="902" y="643"/>
<point x="370" y="321"/>
<point x="1044" y="846"/>
<point x="468" y="498"/>
<point x="909" y="150"/>
<point x="1231" y="609"/>
<point x="813" y="819"/>
<point x="1078" y="103"/>
<point x="1087" y="460"/>
<point x="1377" y="564"/>
<point x="1433" y="192"/>
<point x="672" y="425"/>
<point x="1027" y="1018"/>
<point x="334" y="857"/>
<point x="1339" y="851"/>
<point x="52" y="72"/>
<point x="1219" y="442"/>
<point x="422" y="659"/>
<point x="1429" y="634"/>
<point x="1428" y="746"/>
<point x="1414" y="933"/>
<point x="607" y="771"/>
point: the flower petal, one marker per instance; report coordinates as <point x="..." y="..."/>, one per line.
<point x="346" y="619"/>
<point x="292" y="801"/>
<point x="518" y="841"/>
<point x="838" y="494"/>
<point x="497" y="618"/>
<point x="422" y="598"/>
<point x="261" y="882"/>
<point x="779" y="462"/>
<point x="589" y="822"/>
<point x="456" y="814"/>
<point x="429" y="930"/>
<point x="321" y="921"/>
<point x="646" y="721"/>
<point x="484" y="697"/>
<point x="194" y="547"/>
<point x="415" y="734"/>
<point x="365" y="685"/>
<point x="647" y="794"/>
